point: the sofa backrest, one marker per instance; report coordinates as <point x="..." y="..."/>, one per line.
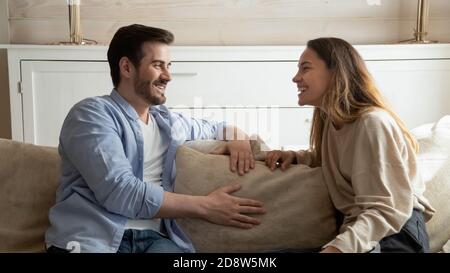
<point x="29" y="178"/>
<point x="28" y="181"/>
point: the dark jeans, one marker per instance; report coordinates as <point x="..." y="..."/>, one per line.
<point x="138" y="241"/>
<point x="412" y="238"/>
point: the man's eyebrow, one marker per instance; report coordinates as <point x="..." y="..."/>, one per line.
<point x="161" y="62"/>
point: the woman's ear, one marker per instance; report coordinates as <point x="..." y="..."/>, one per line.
<point x="127" y="68"/>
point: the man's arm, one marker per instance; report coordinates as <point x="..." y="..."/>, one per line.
<point x="238" y="143"/>
<point x="90" y="141"/>
<point x="218" y="207"/>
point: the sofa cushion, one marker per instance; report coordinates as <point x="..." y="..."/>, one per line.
<point x="299" y="211"/>
<point x="28" y="180"/>
<point x="434" y="164"/>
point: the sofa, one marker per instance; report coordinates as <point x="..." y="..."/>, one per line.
<point x="29" y="178"/>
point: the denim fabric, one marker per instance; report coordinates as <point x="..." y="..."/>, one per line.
<point x="146" y="241"/>
<point x="412" y="238"/>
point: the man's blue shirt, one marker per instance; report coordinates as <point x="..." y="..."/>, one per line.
<point x="101" y="186"/>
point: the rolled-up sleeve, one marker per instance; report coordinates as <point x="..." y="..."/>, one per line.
<point x="304" y="157"/>
<point x="92" y="143"/>
<point x="196" y="128"/>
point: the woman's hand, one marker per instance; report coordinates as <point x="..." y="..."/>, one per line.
<point x="220" y="207"/>
<point x="276" y="157"/>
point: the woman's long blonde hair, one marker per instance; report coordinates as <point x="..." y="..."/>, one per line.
<point x="351" y="92"/>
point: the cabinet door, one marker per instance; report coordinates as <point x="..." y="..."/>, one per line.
<point x="257" y="96"/>
<point x="51" y="88"/>
<point x="263" y="92"/>
<point x="280" y="127"/>
<point x="418" y="90"/>
<point x="232" y="84"/>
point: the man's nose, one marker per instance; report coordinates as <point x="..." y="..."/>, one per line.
<point x="166" y="75"/>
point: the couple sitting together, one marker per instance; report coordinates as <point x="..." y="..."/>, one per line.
<point x="118" y="153"/>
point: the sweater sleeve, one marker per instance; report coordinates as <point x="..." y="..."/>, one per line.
<point x="304" y="157"/>
<point x="383" y="200"/>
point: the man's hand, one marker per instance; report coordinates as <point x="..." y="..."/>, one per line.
<point x="286" y="158"/>
<point x="241" y="156"/>
<point x="220" y="207"/>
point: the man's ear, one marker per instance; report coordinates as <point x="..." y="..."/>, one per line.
<point x="127" y="68"/>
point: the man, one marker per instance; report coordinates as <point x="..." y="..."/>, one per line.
<point x="118" y="155"/>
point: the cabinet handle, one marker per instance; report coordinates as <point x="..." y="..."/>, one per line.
<point x="185" y="74"/>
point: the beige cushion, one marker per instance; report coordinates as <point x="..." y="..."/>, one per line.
<point x="28" y="180"/>
<point x="299" y="211"/>
<point x="434" y="164"/>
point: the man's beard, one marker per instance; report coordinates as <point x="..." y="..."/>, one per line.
<point x="144" y="89"/>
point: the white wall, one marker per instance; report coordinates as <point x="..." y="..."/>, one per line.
<point x="232" y="22"/>
<point x="5" y="116"/>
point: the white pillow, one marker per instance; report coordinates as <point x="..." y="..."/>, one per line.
<point x="434" y="164"/>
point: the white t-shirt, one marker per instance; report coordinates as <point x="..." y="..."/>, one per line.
<point x="155" y="147"/>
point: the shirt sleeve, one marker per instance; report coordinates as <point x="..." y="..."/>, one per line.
<point x="90" y="141"/>
<point x="383" y="192"/>
<point x="196" y="128"/>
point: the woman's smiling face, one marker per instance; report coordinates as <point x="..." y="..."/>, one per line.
<point x="312" y="78"/>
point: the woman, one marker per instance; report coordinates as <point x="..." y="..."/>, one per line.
<point x="366" y="153"/>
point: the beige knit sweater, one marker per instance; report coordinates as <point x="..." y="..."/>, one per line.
<point x="373" y="179"/>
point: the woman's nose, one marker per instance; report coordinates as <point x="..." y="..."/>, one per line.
<point x="297" y="77"/>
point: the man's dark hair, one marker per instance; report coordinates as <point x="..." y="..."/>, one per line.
<point x="127" y="42"/>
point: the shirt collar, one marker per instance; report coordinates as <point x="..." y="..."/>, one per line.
<point x="126" y="107"/>
<point x="131" y="112"/>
